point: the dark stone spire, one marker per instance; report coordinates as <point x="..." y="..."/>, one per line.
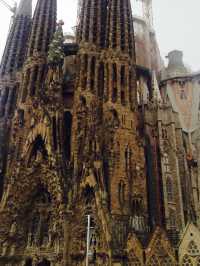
<point x="43" y="26"/>
<point x="120" y="33"/>
<point x="15" y="50"/>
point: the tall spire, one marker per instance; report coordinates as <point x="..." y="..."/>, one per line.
<point x="120" y="33"/>
<point x="25" y="8"/>
<point x="92" y="22"/>
<point x="15" y="50"/>
<point x="43" y="26"/>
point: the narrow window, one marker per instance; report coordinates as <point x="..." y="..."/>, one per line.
<point x="122" y="74"/>
<point x="114" y="95"/>
<point x="67" y="135"/>
<point x="172" y="218"/>
<point x="121" y="192"/>
<point x="84" y="72"/>
<point x="92" y="73"/>
<point x="183" y="95"/>
<point x="123" y="97"/>
<point x="169" y="188"/>
<point x="114" y="72"/>
<point x="101" y="80"/>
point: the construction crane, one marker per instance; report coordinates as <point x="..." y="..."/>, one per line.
<point x="12" y="9"/>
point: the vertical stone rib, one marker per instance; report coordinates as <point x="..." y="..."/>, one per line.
<point x="120" y="33"/>
<point x="44" y="24"/>
<point x="92" y="25"/>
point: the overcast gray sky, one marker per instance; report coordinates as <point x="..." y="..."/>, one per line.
<point x="176" y="23"/>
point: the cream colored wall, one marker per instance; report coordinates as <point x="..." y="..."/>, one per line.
<point x="191" y="234"/>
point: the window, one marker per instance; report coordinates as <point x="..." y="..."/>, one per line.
<point x="193" y="249"/>
<point x="121" y="191"/>
<point x="38" y="152"/>
<point x="183" y="95"/>
<point x="164" y="133"/>
<point x="169" y="188"/>
<point x="153" y="261"/>
<point x="167" y="262"/>
<point x="123" y="119"/>
<point x="122" y="74"/>
<point x="39" y="212"/>
<point x="114" y="95"/>
<point x="186" y="261"/>
<point x="67" y="135"/>
<point x="128" y="157"/>
<point x="172" y="219"/>
<point x="166" y="163"/>
<point x="123" y="97"/>
<point x="92" y="73"/>
<point x="137" y="206"/>
<point x="114" y="73"/>
<point x="101" y="80"/>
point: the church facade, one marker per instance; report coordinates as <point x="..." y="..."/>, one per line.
<point x="89" y="134"/>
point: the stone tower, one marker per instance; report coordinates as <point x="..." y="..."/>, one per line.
<point x="123" y="148"/>
<point x="16" y="46"/>
<point x="106" y="131"/>
<point x="43" y="27"/>
<point x="12" y="61"/>
<point x="31" y="141"/>
<point x="96" y="167"/>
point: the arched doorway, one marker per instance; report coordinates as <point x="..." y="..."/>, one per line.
<point x="44" y="262"/>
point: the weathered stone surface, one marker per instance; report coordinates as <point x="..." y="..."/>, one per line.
<point x="92" y="135"/>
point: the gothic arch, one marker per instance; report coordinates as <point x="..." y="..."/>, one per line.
<point x="88" y="203"/>
<point x="37" y="151"/>
<point x="44" y="130"/>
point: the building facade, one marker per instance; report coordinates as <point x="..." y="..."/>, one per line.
<point x="99" y="161"/>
